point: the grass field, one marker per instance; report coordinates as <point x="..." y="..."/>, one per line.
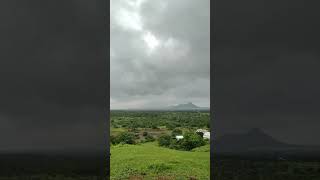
<point x="149" y="161"/>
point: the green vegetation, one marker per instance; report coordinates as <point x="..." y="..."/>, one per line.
<point x="144" y="145"/>
<point x="124" y="138"/>
<point x="190" y="141"/>
<point x="176" y="132"/>
<point x="156" y="119"/>
<point x="165" y="140"/>
<point x="205" y="148"/>
<point x="149" y="161"/>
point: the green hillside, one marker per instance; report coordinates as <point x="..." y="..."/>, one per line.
<point x="149" y="161"/>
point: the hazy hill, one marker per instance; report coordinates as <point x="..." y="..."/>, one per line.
<point x="187" y="106"/>
<point x="179" y="107"/>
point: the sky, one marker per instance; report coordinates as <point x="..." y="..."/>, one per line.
<point x="266" y="68"/>
<point x="53" y="75"/>
<point x="159" y="53"/>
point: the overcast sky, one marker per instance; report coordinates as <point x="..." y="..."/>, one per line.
<point x="160" y="53"/>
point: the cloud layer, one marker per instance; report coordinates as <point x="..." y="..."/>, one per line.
<point x="160" y="53"/>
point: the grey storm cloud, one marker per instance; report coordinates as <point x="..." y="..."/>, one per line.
<point x="160" y="53"/>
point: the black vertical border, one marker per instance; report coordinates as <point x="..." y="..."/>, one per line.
<point x="107" y="89"/>
<point x="212" y="77"/>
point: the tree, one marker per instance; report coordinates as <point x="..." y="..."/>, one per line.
<point x="126" y="138"/>
<point x="133" y="125"/>
<point x="164" y="140"/>
<point x="176" y="132"/>
<point x="200" y="134"/>
<point x="149" y="138"/>
<point x="191" y="140"/>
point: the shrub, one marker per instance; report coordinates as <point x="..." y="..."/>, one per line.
<point x="164" y="140"/>
<point x="145" y="133"/>
<point x="174" y="144"/>
<point x="137" y="135"/>
<point x="113" y="139"/>
<point x="176" y="132"/>
<point x="200" y="134"/>
<point x="149" y="138"/>
<point x="191" y="140"/>
<point x="125" y="138"/>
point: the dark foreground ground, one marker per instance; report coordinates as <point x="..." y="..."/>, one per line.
<point x="255" y="168"/>
<point x="52" y="167"/>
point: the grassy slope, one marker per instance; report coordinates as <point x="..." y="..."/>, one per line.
<point x="148" y="161"/>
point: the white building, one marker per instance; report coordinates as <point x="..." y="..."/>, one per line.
<point x="201" y="130"/>
<point x="179" y="137"/>
<point x="206" y="135"/>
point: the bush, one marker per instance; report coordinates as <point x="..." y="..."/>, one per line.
<point x="145" y="133"/>
<point x="125" y="138"/>
<point x="113" y="139"/>
<point x="149" y="138"/>
<point x="200" y="134"/>
<point x="164" y="140"/>
<point x="136" y="135"/>
<point x="176" y="132"/>
<point x="191" y="140"/>
<point x="174" y="144"/>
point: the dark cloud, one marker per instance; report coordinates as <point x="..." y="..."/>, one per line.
<point x="53" y="73"/>
<point x="266" y="60"/>
<point x="159" y="53"/>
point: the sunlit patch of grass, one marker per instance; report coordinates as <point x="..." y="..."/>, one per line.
<point x="153" y="162"/>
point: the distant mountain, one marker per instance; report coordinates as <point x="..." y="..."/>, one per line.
<point x="253" y="140"/>
<point x="187" y="106"/>
<point x="179" y="107"/>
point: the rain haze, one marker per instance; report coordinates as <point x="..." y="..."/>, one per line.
<point x="160" y="53"/>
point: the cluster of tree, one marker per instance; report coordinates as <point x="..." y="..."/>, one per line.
<point x="154" y="119"/>
<point x="190" y="141"/>
<point x="147" y="137"/>
<point x="123" y="138"/>
<point x="131" y="138"/>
